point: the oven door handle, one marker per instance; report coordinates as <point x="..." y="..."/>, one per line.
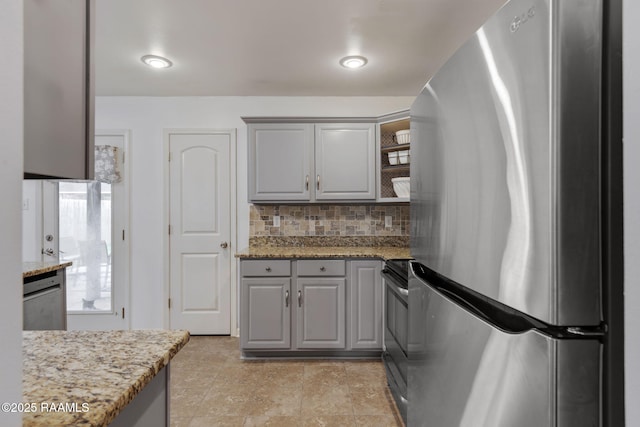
<point x="401" y="291"/>
<point x="391" y="281"/>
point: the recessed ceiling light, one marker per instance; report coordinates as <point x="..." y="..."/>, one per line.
<point x="156" y="61"/>
<point x="353" y="61"/>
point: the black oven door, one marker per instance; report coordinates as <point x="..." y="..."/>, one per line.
<point x="396" y="338"/>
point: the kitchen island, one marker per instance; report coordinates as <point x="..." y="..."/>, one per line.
<point x="35" y="268"/>
<point x="44" y="295"/>
<point x="94" y="378"/>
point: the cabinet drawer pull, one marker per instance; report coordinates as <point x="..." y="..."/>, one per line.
<point x="322" y="268"/>
<point x="268" y="269"/>
<point x="299" y="299"/>
<point x="286" y="298"/>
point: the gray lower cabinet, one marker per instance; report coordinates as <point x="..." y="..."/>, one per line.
<point x="310" y="305"/>
<point x="321" y="312"/>
<point x="265" y="310"/>
<point x="366" y="305"/>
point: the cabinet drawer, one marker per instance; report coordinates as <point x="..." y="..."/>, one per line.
<point x="322" y="267"/>
<point x="266" y="268"/>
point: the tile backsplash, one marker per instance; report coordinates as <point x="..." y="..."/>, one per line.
<point x="328" y="220"/>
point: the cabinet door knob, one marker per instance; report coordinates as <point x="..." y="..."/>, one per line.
<point x="268" y="269"/>
<point x="322" y="268"/>
<point x="224" y="245"/>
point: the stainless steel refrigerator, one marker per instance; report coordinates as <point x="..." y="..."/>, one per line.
<point x="505" y="308"/>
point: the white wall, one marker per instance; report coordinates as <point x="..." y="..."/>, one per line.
<point x="146" y="117"/>
<point x="32" y="220"/>
<point x="11" y="196"/>
<point x="631" y="116"/>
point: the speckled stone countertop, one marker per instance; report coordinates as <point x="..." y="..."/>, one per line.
<point x="384" y="252"/>
<point x="103" y="369"/>
<point x="385" y="247"/>
<point x="34" y="268"/>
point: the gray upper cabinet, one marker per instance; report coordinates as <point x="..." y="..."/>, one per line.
<point x="345" y="161"/>
<point x="311" y="162"/>
<point x="280" y="161"/>
<point x="58" y="89"/>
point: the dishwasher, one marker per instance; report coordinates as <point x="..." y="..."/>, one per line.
<point x="44" y="302"/>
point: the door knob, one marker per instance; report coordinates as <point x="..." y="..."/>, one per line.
<point x="48" y="251"/>
<point x="224" y="245"/>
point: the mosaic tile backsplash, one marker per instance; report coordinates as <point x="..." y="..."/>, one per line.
<point x="328" y="220"/>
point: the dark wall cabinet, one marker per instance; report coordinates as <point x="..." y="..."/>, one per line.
<point x="58" y="89"/>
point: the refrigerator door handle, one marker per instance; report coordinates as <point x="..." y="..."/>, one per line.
<point x="587" y="333"/>
<point x="495" y="313"/>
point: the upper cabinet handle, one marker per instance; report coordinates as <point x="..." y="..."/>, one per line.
<point x="306" y="183"/>
<point x="318" y="182"/>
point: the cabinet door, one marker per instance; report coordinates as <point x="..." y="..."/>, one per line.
<point x="320" y="313"/>
<point x="280" y="161"/>
<point x="345" y="161"/>
<point x="58" y="89"/>
<point x="365" y="305"/>
<point x="265" y="313"/>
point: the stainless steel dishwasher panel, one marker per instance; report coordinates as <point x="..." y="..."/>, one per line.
<point x="44" y="303"/>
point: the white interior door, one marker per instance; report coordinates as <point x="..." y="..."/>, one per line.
<point x="93" y="221"/>
<point x="87" y="222"/>
<point x="200" y="231"/>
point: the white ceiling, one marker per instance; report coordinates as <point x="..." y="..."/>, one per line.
<point x="278" y="47"/>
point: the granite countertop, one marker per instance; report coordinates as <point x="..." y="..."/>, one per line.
<point x="98" y="371"/>
<point x="385" y="247"/>
<point x="384" y="252"/>
<point x="33" y="268"/>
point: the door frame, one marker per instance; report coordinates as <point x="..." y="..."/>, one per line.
<point x="125" y="252"/>
<point x="233" y="232"/>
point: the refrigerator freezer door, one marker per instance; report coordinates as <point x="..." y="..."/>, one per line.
<point x="505" y="162"/>
<point x="466" y="373"/>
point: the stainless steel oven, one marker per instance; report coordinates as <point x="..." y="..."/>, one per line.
<point x="395" y="274"/>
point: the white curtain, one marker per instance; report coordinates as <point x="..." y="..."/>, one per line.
<point x="107" y="166"/>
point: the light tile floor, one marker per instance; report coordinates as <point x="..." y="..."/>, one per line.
<point x="212" y="386"/>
